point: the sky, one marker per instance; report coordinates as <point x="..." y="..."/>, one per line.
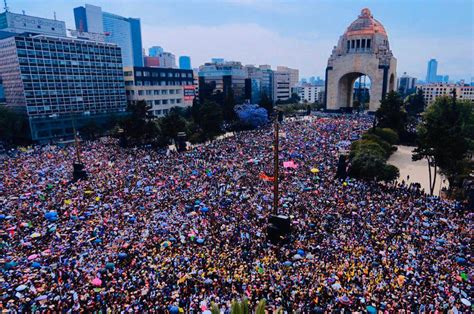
<point x="295" y="33"/>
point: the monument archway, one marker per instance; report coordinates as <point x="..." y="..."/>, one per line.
<point x="363" y="49"/>
<point x="348" y="89"/>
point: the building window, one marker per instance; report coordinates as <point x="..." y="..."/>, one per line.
<point x="368" y="44"/>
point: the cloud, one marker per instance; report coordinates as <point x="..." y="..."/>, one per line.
<point x="248" y="43"/>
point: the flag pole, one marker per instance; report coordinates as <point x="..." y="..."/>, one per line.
<point x="275" y="167"/>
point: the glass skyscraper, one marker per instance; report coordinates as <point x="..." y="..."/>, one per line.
<point x="119" y="30"/>
<point x="431" y="74"/>
<point x="58" y="82"/>
<point x="185" y="63"/>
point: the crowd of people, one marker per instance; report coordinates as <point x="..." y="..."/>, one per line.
<point x="174" y="232"/>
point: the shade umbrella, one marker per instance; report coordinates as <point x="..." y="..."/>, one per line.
<point x="97" y="282"/>
<point x="200" y="241"/>
<point x="41" y="297"/>
<point x="314" y="170"/>
<point x="204" y="209"/>
<point x="21" y="287"/>
<point x="371" y="310"/>
<point x="287" y="263"/>
<point x="33" y="256"/>
<point x="36" y="265"/>
<point x="122" y="255"/>
<point x="174" y="309"/>
<point x="36" y="235"/>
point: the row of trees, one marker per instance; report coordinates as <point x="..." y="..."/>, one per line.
<point x="14" y="129"/>
<point x="443" y="134"/>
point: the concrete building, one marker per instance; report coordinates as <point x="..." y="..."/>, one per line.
<point x="58" y="81"/>
<point x="309" y="93"/>
<point x="363" y="49"/>
<point x="281" y="86"/>
<point x="406" y="84"/>
<point x="294" y="74"/>
<point x="119" y="30"/>
<point x="161" y="88"/>
<point x="220" y="78"/>
<point x="263" y="77"/>
<point x="433" y="91"/>
<point x="21" y="23"/>
<point x="167" y="60"/>
<point x="151" y="61"/>
<point x="185" y="63"/>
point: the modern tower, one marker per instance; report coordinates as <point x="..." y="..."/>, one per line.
<point x="119" y="30"/>
<point x="431" y="73"/>
<point x="185" y="63"/>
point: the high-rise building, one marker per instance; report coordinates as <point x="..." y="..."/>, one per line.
<point x="21" y="23"/>
<point x="155" y="51"/>
<point x="59" y="81"/>
<point x="167" y="60"/>
<point x="309" y="93"/>
<point x="263" y="76"/>
<point x="119" y="30"/>
<point x="220" y="78"/>
<point x="431" y="73"/>
<point x="433" y="91"/>
<point x="294" y="74"/>
<point x="162" y="89"/>
<point x="406" y="84"/>
<point x="185" y="63"/>
<point x="281" y="86"/>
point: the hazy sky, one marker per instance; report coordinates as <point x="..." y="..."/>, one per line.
<point x="296" y="33"/>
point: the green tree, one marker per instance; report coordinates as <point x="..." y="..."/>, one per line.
<point x="173" y="123"/>
<point x="391" y="113"/>
<point x="137" y="126"/>
<point x="445" y="139"/>
<point x="91" y="130"/>
<point x="229" y="106"/>
<point x="415" y="104"/>
<point x="210" y="119"/>
<point x="14" y="128"/>
<point x="266" y="102"/>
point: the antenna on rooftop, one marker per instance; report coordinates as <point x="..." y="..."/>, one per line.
<point x="23" y="11"/>
<point x="55" y="15"/>
<point x="6" y="6"/>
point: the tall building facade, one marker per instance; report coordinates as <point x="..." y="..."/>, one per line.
<point x="433" y="91"/>
<point x="161" y="88"/>
<point x="406" y="84"/>
<point x="263" y="85"/>
<point x="219" y="79"/>
<point x="119" y="30"/>
<point x="431" y="72"/>
<point x="167" y="60"/>
<point x="185" y="63"/>
<point x="293" y="73"/>
<point x="21" y="23"/>
<point x="309" y="93"/>
<point x="155" y="51"/>
<point x="58" y="82"/>
<point x="281" y="86"/>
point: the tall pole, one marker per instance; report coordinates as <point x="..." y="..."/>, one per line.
<point x="76" y="142"/>
<point x="275" y="168"/>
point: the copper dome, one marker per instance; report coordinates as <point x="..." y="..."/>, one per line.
<point x="365" y="25"/>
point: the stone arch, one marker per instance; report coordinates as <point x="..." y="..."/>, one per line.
<point x="345" y="87"/>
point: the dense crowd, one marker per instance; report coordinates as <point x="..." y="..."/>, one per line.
<point x="156" y="231"/>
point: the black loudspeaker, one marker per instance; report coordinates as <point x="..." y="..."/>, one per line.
<point x="280" y="116"/>
<point x="341" y="168"/>
<point x="281" y="222"/>
<point x="78" y="172"/>
<point x="278" y="229"/>
<point x="181" y="147"/>
<point x="308" y="110"/>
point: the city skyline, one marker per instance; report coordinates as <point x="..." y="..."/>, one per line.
<point x="298" y="34"/>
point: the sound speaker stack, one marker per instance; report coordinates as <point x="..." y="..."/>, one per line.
<point x="78" y="172"/>
<point x="278" y="229"/>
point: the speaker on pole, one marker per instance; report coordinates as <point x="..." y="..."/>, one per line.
<point x="280" y="116"/>
<point x="278" y="229"/>
<point x="181" y="142"/>
<point x="79" y="173"/>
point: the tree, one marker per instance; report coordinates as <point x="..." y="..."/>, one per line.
<point x="210" y="118"/>
<point x="391" y="113"/>
<point x="173" y="123"/>
<point x="91" y="130"/>
<point x="253" y="115"/>
<point x="266" y="103"/>
<point x="14" y="127"/>
<point x="445" y="139"/>
<point x="415" y="104"/>
<point x="229" y="106"/>
<point x="137" y="127"/>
